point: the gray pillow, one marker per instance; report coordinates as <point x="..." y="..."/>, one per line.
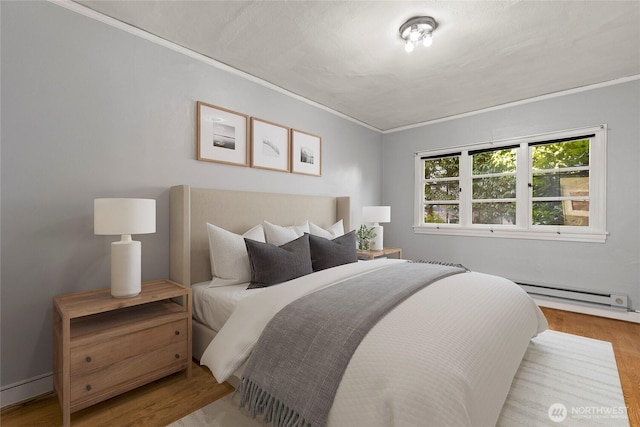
<point x="271" y="264"/>
<point x="327" y="253"/>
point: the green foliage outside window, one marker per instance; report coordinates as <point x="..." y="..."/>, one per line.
<point x="446" y="167"/>
<point x="552" y="158"/>
<point x="550" y="179"/>
<point x="561" y="155"/>
<point x="442" y="185"/>
<point x="494" y="187"/>
<point x="499" y="161"/>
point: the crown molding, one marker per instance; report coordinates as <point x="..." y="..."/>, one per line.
<point x="516" y="103"/>
<point x="90" y="13"/>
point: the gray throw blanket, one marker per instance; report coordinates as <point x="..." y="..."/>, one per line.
<point x="297" y="364"/>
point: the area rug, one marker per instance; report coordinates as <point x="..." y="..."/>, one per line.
<point x="563" y="380"/>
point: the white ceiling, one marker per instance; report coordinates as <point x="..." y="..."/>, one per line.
<point x="348" y="56"/>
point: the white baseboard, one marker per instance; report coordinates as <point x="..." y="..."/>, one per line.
<point x="27" y="389"/>
<point x="628" y="316"/>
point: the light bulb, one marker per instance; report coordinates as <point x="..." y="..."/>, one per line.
<point x="414" y="35"/>
<point x="428" y="40"/>
<point x="408" y="46"/>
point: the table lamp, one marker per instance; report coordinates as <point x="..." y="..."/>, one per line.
<point x="125" y="217"/>
<point x="375" y="215"/>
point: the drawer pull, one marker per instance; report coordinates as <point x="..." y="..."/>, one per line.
<point x="177" y="356"/>
<point x="88" y="387"/>
<point x="177" y="332"/>
<point x="88" y="359"/>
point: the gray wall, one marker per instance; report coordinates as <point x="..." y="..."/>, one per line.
<point x="614" y="265"/>
<point x="91" y="111"/>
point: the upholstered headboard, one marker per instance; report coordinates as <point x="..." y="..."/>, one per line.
<point x="236" y="211"/>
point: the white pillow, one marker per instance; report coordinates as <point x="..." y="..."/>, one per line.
<point x="228" y="254"/>
<point x="336" y="230"/>
<point x="279" y="235"/>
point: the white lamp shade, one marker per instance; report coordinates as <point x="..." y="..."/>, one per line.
<point x="376" y="214"/>
<point x="124" y="216"/>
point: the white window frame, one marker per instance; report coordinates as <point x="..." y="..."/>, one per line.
<point x="523" y="229"/>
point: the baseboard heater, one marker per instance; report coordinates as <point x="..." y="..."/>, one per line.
<point x="597" y="298"/>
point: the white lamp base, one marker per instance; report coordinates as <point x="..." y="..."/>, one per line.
<point x="126" y="271"/>
<point x="376" y="243"/>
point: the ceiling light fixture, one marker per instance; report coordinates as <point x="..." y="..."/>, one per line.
<point x="418" y="29"/>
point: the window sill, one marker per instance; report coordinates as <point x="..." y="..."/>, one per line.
<point x="568" y="236"/>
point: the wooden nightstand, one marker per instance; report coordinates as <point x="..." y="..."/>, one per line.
<point x="377" y="254"/>
<point x="105" y="346"/>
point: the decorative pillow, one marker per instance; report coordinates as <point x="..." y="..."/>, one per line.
<point x="272" y="264"/>
<point x="279" y="235"/>
<point x="330" y="253"/>
<point x="336" y="230"/>
<point x="228" y="254"/>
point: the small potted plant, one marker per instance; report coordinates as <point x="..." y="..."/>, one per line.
<point x="365" y="236"/>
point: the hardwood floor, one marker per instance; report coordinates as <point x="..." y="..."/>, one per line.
<point x="157" y="404"/>
<point x="169" y="399"/>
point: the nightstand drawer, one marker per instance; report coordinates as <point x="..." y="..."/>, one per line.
<point x="102" y="352"/>
<point x="138" y="370"/>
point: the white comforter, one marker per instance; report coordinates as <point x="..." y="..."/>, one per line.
<point x="445" y="356"/>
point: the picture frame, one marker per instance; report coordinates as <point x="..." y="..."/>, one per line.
<point x="222" y="135"/>
<point x="306" y="153"/>
<point x="269" y="145"/>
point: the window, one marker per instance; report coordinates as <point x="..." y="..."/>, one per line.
<point x="560" y="183"/>
<point x="441" y="189"/>
<point x="493" y="186"/>
<point x="543" y="187"/>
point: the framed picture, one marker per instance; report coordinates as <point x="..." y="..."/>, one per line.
<point x="269" y="145"/>
<point x="222" y="135"/>
<point x="306" y="153"/>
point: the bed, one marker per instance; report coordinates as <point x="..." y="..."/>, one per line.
<point x="237" y="211"/>
<point x="447" y="354"/>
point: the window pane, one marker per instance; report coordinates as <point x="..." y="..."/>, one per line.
<point x="443" y="214"/>
<point x="447" y="167"/>
<point x="561" y="155"/>
<point x="497" y="187"/>
<point x="442" y="190"/>
<point x="565" y="212"/>
<point x="494" y="213"/>
<point x="561" y="184"/>
<point x="499" y="161"/>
